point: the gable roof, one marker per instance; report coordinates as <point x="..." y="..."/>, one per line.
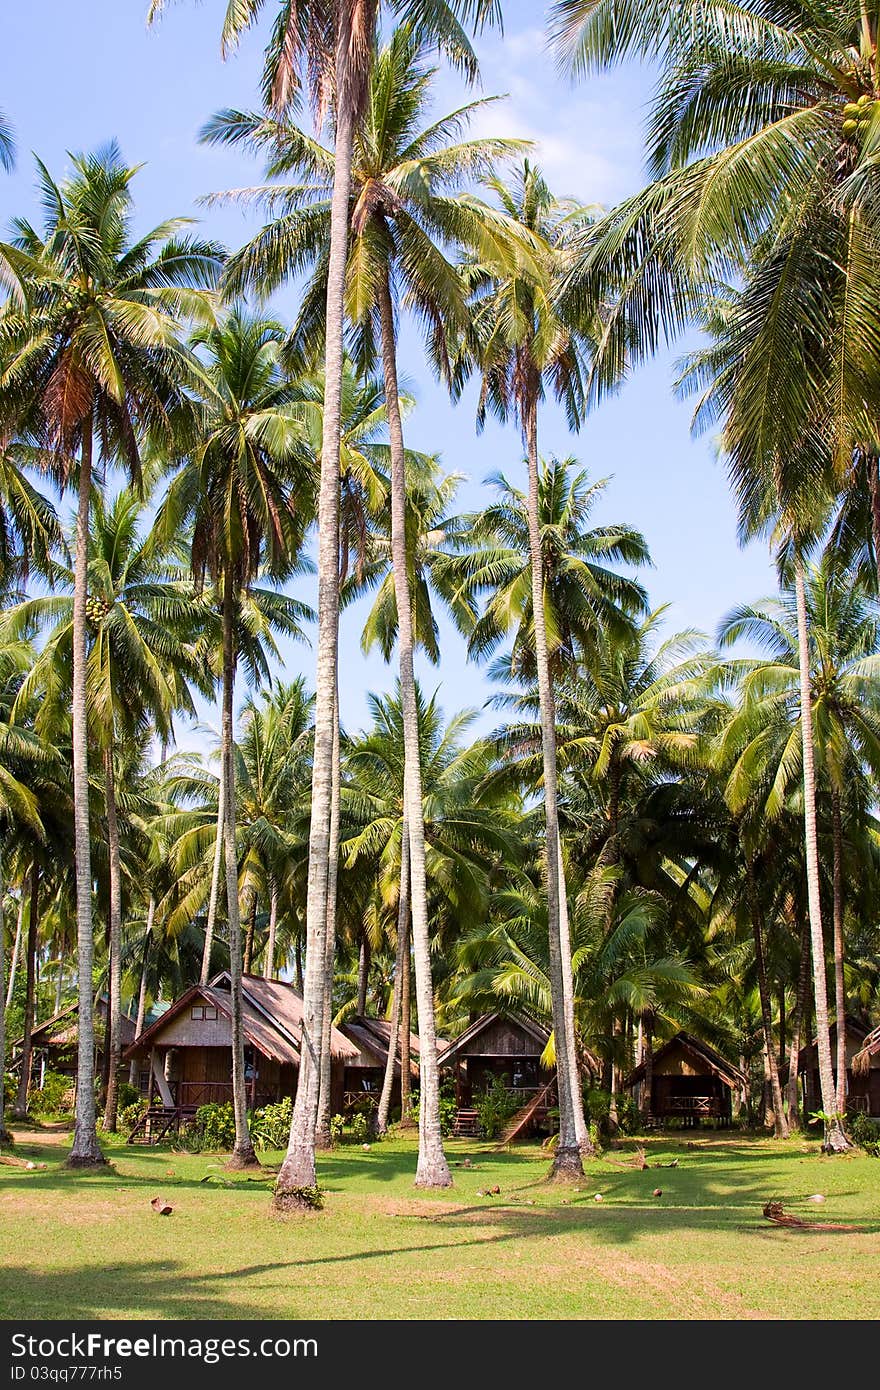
<point x="372" y="1035"/>
<point x="701" y="1052"/>
<point x="61" y="1029"/>
<point x="861" y="1062"/>
<point x="853" y="1028"/>
<point x="271" y="1011"/>
<point x="463" y="1044"/>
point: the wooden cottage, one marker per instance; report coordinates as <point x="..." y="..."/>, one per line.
<point x="189" y="1048"/>
<point x="690" y="1082"/>
<point x="54" y="1042"/>
<point x="862" y="1070"/>
<point x="364" y="1074"/>
<point x="504" y="1047"/>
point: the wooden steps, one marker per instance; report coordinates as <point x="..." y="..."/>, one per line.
<point x="466" y="1125"/>
<point x="519" y="1123"/>
<point x="155" y="1124"/>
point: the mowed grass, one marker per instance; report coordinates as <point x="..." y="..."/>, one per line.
<point x="82" y="1245"/>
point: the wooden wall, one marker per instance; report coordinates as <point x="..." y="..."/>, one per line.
<point x="185" y="1031"/>
<point x="503" y="1038"/>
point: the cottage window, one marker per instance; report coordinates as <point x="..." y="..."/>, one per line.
<point x="198" y="1011"/>
<point x="210" y="1011"/>
<point x="204" y="1012"/>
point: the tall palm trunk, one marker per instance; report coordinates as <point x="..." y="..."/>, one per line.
<point x="243" y="1155"/>
<point x="585" y="1144"/>
<point x="215" y="887"/>
<point x="16" y="949"/>
<point x="364" y="954"/>
<point x="780" y="1124"/>
<point x="269" y="964"/>
<point x="24" y="1080"/>
<point x="432" y="1169"/>
<point x="406" y="1060"/>
<point x="797" y="1026"/>
<point x="397" y="993"/>
<point x="567" y="1156"/>
<point x="298" y="1168"/>
<point x="835" y="1140"/>
<point x="85" y="1151"/>
<point x="4" y="1132"/>
<point x="113" y="1037"/>
<point x="252" y="926"/>
<point x="142" y="991"/>
<point x="873" y="467"/>
<point x="648" y="1087"/>
<point x="323" y="1132"/>
<point x="839" y="984"/>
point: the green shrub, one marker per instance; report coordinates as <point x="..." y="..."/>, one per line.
<point x="448" y="1107"/>
<point x="270" y="1126"/>
<point x="360" y="1126"/>
<point x="10" y="1089"/>
<point x="212" y="1127"/>
<point x="337" y="1125"/>
<point x="127" y="1095"/>
<point x="54" y="1097"/>
<point x="865" y="1133"/>
<point x="130" y="1114"/>
<point x="495" y="1106"/>
<point x="597" y="1111"/>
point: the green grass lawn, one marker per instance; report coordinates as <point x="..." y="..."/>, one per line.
<point x="80" y="1245"/>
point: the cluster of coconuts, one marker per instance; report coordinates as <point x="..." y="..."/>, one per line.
<point x="96" y="611"/>
<point x="857" y="116"/>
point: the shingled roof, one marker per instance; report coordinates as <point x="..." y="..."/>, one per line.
<point x="701" y="1052"/>
<point x="272" y="1013"/>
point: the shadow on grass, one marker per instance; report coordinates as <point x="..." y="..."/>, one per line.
<point x="154" y="1289"/>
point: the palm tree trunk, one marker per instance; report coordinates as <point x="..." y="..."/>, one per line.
<point x="648" y="1091"/>
<point x="432" y="1169"/>
<point x="363" y="973"/>
<point x="797" y="1026"/>
<point x="835" y="1140"/>
<point x="269" y="966"/>
<point x="142" y="992"/>
<point x="85" y="1151"/>
<point x="4" y="1132"/>
<point x="243" y="1155"/>
<point x="873" y="470"/>
<point x="298" y="1168"/>
<point x="252" y="925"/>
<point x="780" y="1124"/>
<point x="581" y="1129"/>
<point x="397" y="994"/>
<point x="323" y="1132"/>
<point x="406" y="1062"/>
<point x="24" y="1080"/>
<point x="16" y="949"/>
<point x="839" y="983"/>
<point x="567" y="1157"/>
<point x="298" y="966"/>
<point x="215" y="888"/>
<point x="113" y="1038"/>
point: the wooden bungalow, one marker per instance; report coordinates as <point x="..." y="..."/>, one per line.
<point x="690" y="1082"/>
<point x="54" y="1042"/>
<point x="506" y="1047"/>
<point x="364" y="1074"/>
<point x="862" y="1070"/>
<point x="189" y="1049"/>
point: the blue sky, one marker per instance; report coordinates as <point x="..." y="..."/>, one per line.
<point x="78" y="75"/>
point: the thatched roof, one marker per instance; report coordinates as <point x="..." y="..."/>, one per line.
<point x="467" y="1043"/>
<point x="703" y="1056"/>
<point x="372" y="1035"/>
<point x="61" y="1029"/>
<point x="272" y="1013"/>
<point x="808" y="1055"/>
<point x="861" y="1062"/>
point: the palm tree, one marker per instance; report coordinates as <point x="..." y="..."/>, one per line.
<point x="142" y="659"/>
<point x="843" y="637"/>
<point x="470" y="827"/>
<point x="7" y="143"/>
<point x="522" y="344"/>
<point x="91" y="341"/>
<point x="402" y="217"/>
<point x="244" y="489"/>
<point x="20" y="754"/>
